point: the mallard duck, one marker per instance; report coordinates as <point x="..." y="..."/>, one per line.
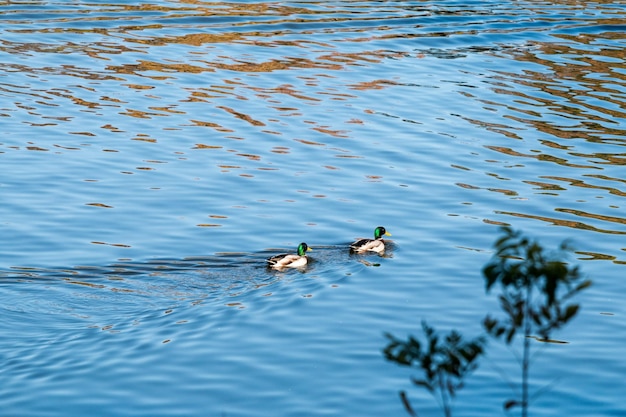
<point x="287" y="260"/>
<point x="371" y="245"/>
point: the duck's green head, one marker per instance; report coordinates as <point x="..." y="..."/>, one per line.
<point x="380" y="231"/>
<point x="303" y="248"/>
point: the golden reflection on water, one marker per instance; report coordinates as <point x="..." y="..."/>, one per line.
<point x="565" y="223"/>
<point x="575" y="95"/>
<point x="583" y="184"/>
<point x="540" y="156"/>
<point x="569" y="112"/>
<point x="578" y="77"/>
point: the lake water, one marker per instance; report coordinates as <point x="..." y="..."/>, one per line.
<point x="154" y="154"/>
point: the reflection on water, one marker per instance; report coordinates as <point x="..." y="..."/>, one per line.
<point x="170" y="145"/>
<point x="572" y="104"/>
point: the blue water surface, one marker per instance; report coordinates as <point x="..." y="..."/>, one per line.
<point x="154" y="154"/>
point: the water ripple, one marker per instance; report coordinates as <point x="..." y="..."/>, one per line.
<point x="154" y="154"/>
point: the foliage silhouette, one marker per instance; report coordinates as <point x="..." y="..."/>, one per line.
<point x="535" y="287"/>
<point x="444" y="362"/>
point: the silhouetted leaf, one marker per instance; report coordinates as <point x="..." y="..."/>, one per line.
<point x="422" y="383"/>
<point x="570" y="312"/>
<point x="407" y="404"/>
<point x="583" y="285"/>
<point x="489" y="324"/>
<point x="546" y="312"/>
<point x="491" y="275"/>
<point x="518" y="317"/>
<point x="511" y="403"/>
<point x="451" y="388"/>
<point x="509" y="336"/>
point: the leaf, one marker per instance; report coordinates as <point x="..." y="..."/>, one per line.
<point x="518" y="318"/>
<point x="491" y="275"/>
<point x="451" y="389"/>
<point x="407" y="404"/>
<point x="511" y="403"/>
<point x="583" y="285"/>
<point x="423" y="383"/>
<point x="546" y="312"/>
<point x="489" y="323"/>
<point x="510" y="335"/>
<point x="570" y="312"/>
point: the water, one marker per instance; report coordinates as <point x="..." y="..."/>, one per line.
<point x="154" y="154"/>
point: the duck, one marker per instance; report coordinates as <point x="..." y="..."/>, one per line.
<point x="371" y="245"/>
<point x="289" y="260"/>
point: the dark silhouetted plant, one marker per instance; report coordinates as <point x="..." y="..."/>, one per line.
<point x="443" y="361"/>
<point x="535" y="289"/>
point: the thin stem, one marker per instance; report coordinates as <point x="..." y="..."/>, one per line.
<point x="526" y="353"/>
<point x="444" y="400"/>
